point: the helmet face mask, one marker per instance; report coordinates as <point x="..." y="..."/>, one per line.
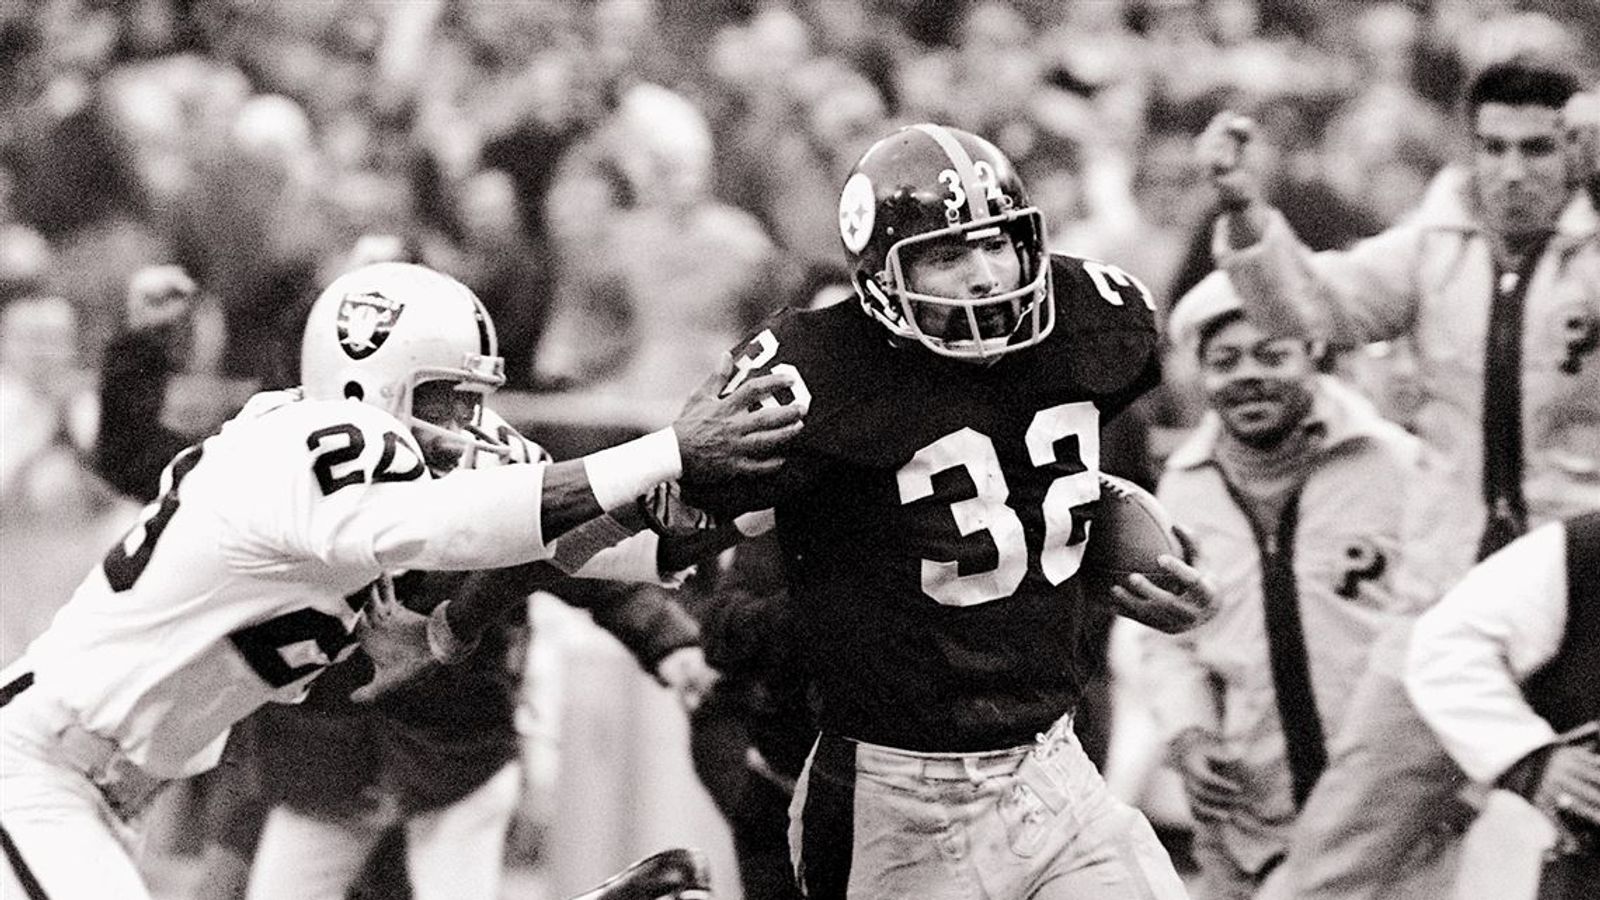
<point x="926" y="184"/>
<point x="377" y="333"/>
<point x="445" y="419"/>
<point x="981" y="327"/>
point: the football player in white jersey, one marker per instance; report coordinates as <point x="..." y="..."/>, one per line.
<point x="231" y="589"/>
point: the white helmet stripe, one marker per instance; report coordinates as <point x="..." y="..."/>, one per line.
<point x="977" y="197"/>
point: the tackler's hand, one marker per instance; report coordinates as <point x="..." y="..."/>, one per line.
<point x="740" y="433"/>
<point x="397" y="640"/>
<point x="1185" y="599"/>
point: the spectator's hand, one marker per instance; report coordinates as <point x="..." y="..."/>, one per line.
<point x="397" y="640"/>
<point x="1221" y="152"/>
<point x="1171" y="611"/>
<point x="1207" y="770"/>
<point x="1570" y="787"/>
<point x="158" y="296"/>
<point x="686" y="672"/>
<point x="721" y="437"/>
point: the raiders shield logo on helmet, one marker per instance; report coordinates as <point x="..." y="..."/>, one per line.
<point x="365" y="321"/>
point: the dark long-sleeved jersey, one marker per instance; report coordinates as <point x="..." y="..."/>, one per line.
<point x="931" y="513"/>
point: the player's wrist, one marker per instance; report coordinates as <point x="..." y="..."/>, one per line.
<point x="1525" y="777"/>
<point x="677" y="553"/>
<point x="620" y="475"/>
<point x="444" y="643"/>
<point x="1245" y="221"/>
<point x="578" y="546"/>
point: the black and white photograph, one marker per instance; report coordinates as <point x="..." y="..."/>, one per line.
<point x="799" y="449"/>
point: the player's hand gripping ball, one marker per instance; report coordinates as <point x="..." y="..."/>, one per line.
<point x="1137" y="561"/>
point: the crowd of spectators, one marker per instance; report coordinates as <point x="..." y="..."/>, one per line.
<point x="542" y="150"/>
<point x="630" y="185"/>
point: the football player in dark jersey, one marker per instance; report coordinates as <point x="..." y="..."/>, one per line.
<point x="932" y="517"/>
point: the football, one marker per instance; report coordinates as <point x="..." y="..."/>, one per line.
<point x="1129" y="530"/>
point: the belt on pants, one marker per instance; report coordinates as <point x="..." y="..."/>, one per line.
<point x="127" y="789"/>
<point x="975" y="766"/>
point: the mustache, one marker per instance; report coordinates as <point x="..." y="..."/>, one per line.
<point x="1248" y="391"/>
<point x="992" y="320"/>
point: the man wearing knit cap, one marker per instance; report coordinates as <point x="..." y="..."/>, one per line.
<point x="1290" y="488"/>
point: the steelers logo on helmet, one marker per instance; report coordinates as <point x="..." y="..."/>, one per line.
<point x="857" y="209"/>
<point x="364" y="322"/>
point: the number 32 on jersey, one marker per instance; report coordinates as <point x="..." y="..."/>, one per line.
<point x="987" y="512"/>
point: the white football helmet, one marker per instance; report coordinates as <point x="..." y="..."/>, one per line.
<point x="378" y="331"/>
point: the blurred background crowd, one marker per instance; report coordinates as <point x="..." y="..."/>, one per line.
<point x="630" y="185"/>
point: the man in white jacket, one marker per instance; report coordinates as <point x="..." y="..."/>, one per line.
<point x="1291" y="488"/>
<point x="1503" y="670"/>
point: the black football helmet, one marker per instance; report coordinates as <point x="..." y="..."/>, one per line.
<point x="931" y="182"/>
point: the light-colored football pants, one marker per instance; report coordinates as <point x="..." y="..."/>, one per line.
<point x="65" y="840"/>
<point x="61" y="838"/>
<point x="1030" y="823"/>
<point x="453" y="853"/>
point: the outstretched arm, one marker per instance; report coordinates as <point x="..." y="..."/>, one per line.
<point x="132" y="446"/>
<point x="375" y="507"/>
<point x="673" y="535"/>
<point x="662" y="637"/>
<point x="714" y="439"/>
<point x="1220" y="150"/>
<point x="647" y="623"/>
<point x="1352" y="297"/>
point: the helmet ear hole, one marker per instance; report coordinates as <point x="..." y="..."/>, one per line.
<point x="353" y="391"/>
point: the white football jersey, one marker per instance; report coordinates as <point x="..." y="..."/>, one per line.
<point x="231" y="589"/>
